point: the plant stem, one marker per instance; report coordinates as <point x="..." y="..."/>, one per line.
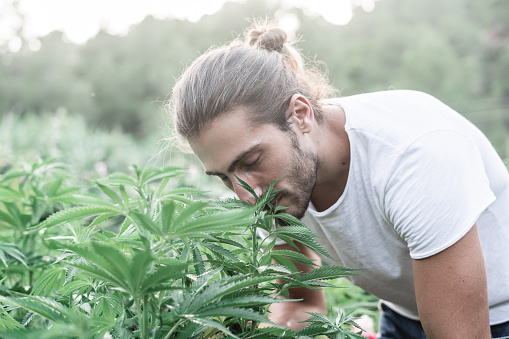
<point x="254" y="246"/>
<point x="140" y="318"/>
<point x="144" y="334"/>
<point x="173" y="329"/>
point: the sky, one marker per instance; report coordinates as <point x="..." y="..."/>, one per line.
<point x="80" y="20"/>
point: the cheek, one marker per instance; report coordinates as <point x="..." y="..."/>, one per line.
<point x="280" y="171"/>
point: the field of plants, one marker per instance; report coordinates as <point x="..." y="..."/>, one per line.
<point x="140" y="253"/>
<point x="108" y="230"/>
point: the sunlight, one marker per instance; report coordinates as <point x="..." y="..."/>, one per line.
<point x="337" y="12"/>
<point x="81" y="20"/>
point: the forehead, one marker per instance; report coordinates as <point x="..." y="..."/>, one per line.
<point x="229" y="136"/>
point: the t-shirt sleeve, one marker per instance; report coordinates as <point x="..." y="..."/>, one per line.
<point x="436" y="192"/>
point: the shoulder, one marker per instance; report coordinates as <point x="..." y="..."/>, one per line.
<point x="389" y="95"/>
<point x="397" y="116"/>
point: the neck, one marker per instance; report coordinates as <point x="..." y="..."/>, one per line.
<point x="333" y="148"/>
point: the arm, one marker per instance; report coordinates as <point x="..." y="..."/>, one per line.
<point x="451" y="291"/>
<point x="289" y="314"/>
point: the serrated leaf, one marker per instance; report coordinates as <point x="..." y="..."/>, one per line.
<point x="326" y="272"/>
<point x="115" y="262"/>
<point x="7" y="194"/>
<point x="47" y="282"/>
<point x="199" y="266"/>
<point x="312" y="284"/>
<point x="216" y="222"/>
<point x="185" y="190"/>
<point x="74" y="214"/>
<point x="237" y="312"/>
<point x="141" y="262"/>
<point x="269" y="194"/>
<point x="44" y="307"/>
<point x="125" y="196"/>
<point x="112" y="272"/>
<point x="110" y="193"/>
<point x="15" y="214"/>
<point x="290" y="220"/>
<point x="101" y="275"/>
<point x="274" y="269"/>
<point x="119" y="178"/>
<point x="145" y="222"/>
<point x="217" y="289"/>
<point x="242" y="283"/>
<point x="101" y="218"/>
<point x="13" y="175"/>
<point x="164" y="274"/>
<point x="3" y="258"/>
<point x="7" y="219"/>
<point x="265" y="259"/>
<point x="167" y="214"/>
<point x="303" y="236"/>
<point x="212" y="323"/>
<point x="320" y="318"/>
<point x="151" y="174"/>
<point x="81" y="200"/>
<point x="80" y="285"/>
<point x="186" y="214"/>
<point x="179" y="198"/>
<point x="246" y="186"/>
<point x="7" y="322"/>
<point x="230" y="203"/>
<point x="191" y="331"/>
<point x="13" y="251"/>
<point x="54" y="187"/>
<point x="126" y="225"/>
<point x="227" y="241"/>
<point x="293" y="255"/>
<point x="250" y="300"/>
<point x="311" y="331"/>
<point x="161" y="187"/>
<point x="220" y="250"/>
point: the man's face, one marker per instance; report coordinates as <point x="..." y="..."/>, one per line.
<point x="258" y="154"/>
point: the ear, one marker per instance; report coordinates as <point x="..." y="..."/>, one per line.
<point x="300" y="113"/>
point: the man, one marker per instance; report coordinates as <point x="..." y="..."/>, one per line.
<point x="395" y="182"/>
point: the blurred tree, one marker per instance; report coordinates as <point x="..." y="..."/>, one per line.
<point x="44" y="81"/>
<point x="456" y="50"/>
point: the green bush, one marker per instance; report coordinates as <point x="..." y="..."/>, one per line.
<point x="91" y="152"/>
<point x="128" y="256"/>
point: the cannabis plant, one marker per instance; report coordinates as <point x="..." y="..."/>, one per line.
<point x="132" y="256"/>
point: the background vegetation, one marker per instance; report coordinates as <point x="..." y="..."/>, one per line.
<point x="99" y="107"/>
<point x="455" y="50"/>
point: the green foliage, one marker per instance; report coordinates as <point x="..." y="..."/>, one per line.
<point x="93" y="152"/>
<point x="346" y="297"/>
<point x="130" y="257"/>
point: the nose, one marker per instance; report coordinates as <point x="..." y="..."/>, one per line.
<point x="244" y="194"/>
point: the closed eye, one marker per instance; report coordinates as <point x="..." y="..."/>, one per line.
<point x="251" y="164"/>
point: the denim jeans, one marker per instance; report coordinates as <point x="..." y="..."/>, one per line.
<point x="396" y="326"/>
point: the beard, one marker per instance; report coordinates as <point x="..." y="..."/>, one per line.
<point x="301" y="180"/>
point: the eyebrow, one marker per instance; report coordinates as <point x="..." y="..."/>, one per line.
<point x="237" y="160"/>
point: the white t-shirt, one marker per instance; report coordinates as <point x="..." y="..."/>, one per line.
<point x="420" y="176"/>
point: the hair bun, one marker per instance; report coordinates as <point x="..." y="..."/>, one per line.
<point x="269" y="38"/>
